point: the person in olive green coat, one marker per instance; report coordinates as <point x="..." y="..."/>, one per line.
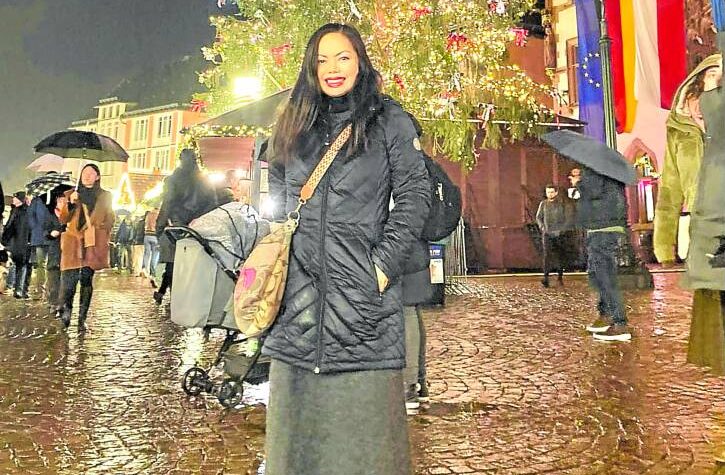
<point x="691" y="181"/>
<point x="708" y="213"/>
<point x="685" y="134"/>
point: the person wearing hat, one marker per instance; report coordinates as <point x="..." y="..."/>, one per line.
<point x="16" y="238"/>
<point x="88" y="216"/>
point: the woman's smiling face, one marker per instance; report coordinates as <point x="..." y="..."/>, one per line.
<point x="337" y="65"/>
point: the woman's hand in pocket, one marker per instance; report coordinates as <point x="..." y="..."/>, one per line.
<point x="382" y="279"/>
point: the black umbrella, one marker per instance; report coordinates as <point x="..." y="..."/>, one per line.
<point x="50" y="182"/>
<point x="592" y="154"/>
<point x="82" y="144"/>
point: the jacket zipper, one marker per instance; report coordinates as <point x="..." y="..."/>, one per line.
<point x="323" y="273"/>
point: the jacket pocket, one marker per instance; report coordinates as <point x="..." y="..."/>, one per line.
<point x="377" y="294"/>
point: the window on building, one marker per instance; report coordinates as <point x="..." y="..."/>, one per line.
<point x="162" y="160"/>
<point x="140" y="130"/>
<point x="164" y="127"/>
<point x="572" y="66"/>
<point x="115" y="132"/>
<point x="138" y="161"/>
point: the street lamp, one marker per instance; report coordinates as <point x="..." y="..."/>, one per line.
<point x="247" y="88"/>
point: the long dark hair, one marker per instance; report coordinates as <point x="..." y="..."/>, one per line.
<point x="303" y="108"/>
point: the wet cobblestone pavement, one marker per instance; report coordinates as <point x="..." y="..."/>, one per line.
<point x="517" y="387"/>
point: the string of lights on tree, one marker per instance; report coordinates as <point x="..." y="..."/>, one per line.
<point x="445" y="61"/>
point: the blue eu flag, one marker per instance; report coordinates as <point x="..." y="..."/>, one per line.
<point x="589" y="75"/>
<point x="718" y="14"/>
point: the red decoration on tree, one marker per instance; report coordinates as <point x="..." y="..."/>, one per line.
<point x="450" y="95"/>
<point x="521" y="34"/>
<point x="399" y="81"/>
<point x="457" y="41"/>
<point x="497" y="6"/>
<point x="419" y="12"/>
<point x="198" y="105"/>
<point x="279" y="51"/>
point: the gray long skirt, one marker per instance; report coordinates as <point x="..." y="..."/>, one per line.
<point x="336" y="424"/>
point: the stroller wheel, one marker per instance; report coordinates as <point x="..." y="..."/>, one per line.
<point x="230" y="393"/>
<point x="195" y="381"/>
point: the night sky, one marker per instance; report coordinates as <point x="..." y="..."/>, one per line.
<point x="58" y="57"/>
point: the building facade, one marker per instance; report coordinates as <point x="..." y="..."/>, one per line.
<point x="151" y="136"/>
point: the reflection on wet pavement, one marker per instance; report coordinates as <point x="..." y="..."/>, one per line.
<point x="516" y="387"/>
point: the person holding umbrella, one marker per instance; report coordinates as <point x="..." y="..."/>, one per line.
<point x="602" y="212"/>
<point x="88" y="216"/>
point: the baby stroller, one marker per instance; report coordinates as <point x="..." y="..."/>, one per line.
<point x="208" y="253"/>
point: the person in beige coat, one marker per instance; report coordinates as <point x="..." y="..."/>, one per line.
<point x="88" y="216"/>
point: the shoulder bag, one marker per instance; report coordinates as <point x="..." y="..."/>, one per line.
<point x="260" y="287"/>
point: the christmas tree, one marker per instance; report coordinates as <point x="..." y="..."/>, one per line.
<point x="445" y="61"/>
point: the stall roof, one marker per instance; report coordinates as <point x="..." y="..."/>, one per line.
<point x="261" y="113"/>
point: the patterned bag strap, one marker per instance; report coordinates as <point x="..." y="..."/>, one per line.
<point x="309" y="188"/>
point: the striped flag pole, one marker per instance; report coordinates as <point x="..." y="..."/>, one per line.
<point x="605" y="45"/>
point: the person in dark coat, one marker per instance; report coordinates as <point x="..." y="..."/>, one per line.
<point x="187" y="195"/>
<point x="16" y="238"/>
<point x="555" y="220"/>
<point x="38" y="214"/>
<point x="139" y="224"/>
<point x="337" y="402"/>
<point x="601" y="211"/>
<point x="123" y="240"/>
<point x="53" y="229"/>
<point x="417" y="291"/>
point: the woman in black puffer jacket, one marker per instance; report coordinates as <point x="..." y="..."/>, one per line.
<point x="338" y="345"/>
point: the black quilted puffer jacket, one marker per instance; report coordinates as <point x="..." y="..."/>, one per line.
<point x="333" y="316"/>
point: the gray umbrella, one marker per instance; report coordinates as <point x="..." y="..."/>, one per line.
<point x="592" y="154"/>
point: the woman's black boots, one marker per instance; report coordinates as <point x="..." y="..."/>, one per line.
<point x="68" y="282"/>
<point x="85" y="304"/>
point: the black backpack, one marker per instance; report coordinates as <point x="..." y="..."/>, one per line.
<point x="445" y="197"/>
<point x="445" y="203"/>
